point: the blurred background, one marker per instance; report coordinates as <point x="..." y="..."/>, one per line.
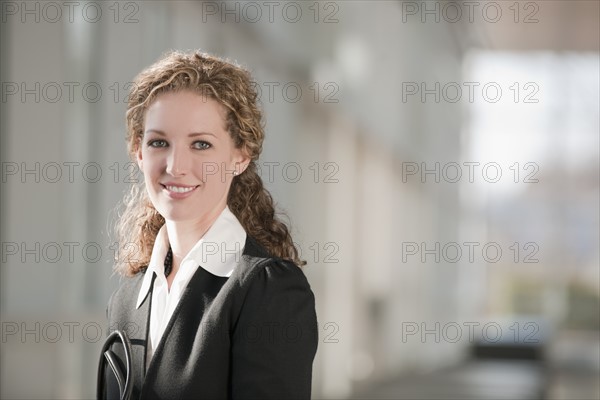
<point x="438" y="162"/>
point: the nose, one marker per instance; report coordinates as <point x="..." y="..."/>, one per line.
<point x="178" y="161"/>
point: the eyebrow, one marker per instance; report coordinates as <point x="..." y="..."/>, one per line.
<point x="193" y="134"/>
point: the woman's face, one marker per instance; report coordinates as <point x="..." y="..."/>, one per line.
<point x="187" y="157"/>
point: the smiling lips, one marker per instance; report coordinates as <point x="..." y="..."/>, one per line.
<point x="178" y="191"/>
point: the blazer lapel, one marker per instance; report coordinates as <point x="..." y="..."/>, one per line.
<point x="169" y="370"/>
<point x="138" y="334"/>
<point x="180" y="332"/>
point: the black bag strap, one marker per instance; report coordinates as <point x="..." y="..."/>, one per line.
<point x="108" y="356"/>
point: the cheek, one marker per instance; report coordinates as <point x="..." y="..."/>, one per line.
<point x="207" y="172"/>
<point x="152" y="163"/>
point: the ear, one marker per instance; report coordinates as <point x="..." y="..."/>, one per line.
<point x="241" y="160"/>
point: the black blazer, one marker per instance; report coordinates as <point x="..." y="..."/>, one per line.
<point x="250" y="336"/>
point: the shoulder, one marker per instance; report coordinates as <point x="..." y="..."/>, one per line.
<point x="126" y="294"/>
<point x="259" y="268"/>
<point x="129" y="283"/>
<point x="276" y="302"/>
<point x="274" y="286"/>
<point x="274" y="333"/>
<point x="262" y="282"/>
<point x="276" y="271"/>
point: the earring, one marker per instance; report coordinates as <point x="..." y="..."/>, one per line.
<point x="235" y="173"/>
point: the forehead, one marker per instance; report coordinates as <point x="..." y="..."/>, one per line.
<point x="185" y="112"/>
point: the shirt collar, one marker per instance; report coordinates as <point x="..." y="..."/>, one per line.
<point x="218" y="251"/>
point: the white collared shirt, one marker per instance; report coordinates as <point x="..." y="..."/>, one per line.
<point x="218" y="252"/>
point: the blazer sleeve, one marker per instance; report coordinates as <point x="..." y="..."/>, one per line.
<point x="275" y="339"/>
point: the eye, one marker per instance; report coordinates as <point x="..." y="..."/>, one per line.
<point x="157" y="143"/>
<point x="201" y="145"/>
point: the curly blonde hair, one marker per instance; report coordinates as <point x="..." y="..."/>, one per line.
<point x="233" y="87"/>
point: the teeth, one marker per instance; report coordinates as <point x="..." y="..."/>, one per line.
<point x="178" y="189"/>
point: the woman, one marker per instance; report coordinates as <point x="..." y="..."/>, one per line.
<point x="215" y="303"/>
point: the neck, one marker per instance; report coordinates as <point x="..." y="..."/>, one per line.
<point x="183" y="235"/>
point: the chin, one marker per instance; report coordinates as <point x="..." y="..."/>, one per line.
<point x="175" y="215"/>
